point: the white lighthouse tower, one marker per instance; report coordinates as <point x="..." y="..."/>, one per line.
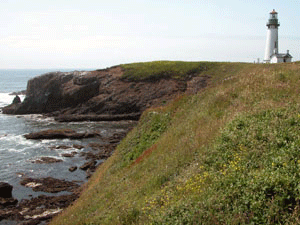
<point x="271" y="52"/>
<point x="272" y="36"/>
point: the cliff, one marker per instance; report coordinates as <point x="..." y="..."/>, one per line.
<point x="226" y="155"/>
<point x="99" y="92"/>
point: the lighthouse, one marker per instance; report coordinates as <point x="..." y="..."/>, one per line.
<point x="272" y="49"/>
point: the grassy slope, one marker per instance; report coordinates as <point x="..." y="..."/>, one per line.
<point x="228" y="155"/>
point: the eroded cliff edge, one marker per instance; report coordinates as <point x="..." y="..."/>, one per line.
<point x="99" y="94"/>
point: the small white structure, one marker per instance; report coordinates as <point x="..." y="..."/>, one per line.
<point x="279" y="58"/>
<point x="271" y="52"/>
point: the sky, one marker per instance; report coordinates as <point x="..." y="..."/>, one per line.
<point x="98" y="34"/>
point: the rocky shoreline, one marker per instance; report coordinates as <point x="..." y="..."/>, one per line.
<point x="101" y="95"/>
<point x="41" y="209"/>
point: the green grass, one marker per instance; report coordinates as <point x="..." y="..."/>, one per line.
<point x="164" y="69"/>
<point x="228" y="155"/>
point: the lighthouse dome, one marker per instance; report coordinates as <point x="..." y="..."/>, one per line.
<point x="273" y="20"/>
<point x="273" y="12"/>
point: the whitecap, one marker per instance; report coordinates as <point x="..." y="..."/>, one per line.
<point x="48" y="141"/>
<point x="16" y="140"/>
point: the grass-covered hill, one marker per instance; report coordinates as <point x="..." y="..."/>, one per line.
<point x="227" y="155"/>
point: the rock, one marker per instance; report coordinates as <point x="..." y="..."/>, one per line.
<point x="103" y="151"/>
<point x="97" y="95"/>
<point x="89" y="173"/>
<point x="70" y="155"/>
<point x="49" y="184"/>
<point x="73" y="168"/>
<point x="90" y="156"/>
<point x="16" y="100"/>
<point x="53" y="91"/>
<point x="47" y="160"/>
<point x="38" y="210"/>
<point x="60" y="147"/>
<point x="18" y="93"/>
<point x="89" y="165"/>
<point x="5" y="202"/>
<point x="60" y="134"/>
<point x="5" y="190"/>
<point x="103" y="117"/>
<point x="96" y="146"/>
<point x="78" y="146"/>
<point x="116" y="137"/>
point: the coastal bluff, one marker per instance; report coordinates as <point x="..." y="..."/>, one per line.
<point x="99" y="94"/>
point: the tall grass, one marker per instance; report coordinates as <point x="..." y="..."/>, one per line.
<point x="228" y="155"/>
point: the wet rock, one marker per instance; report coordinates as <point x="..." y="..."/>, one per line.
<point x="47" y="160"/>
<point x="5" y="202"/>
<point x="103" y="117"/>
<point x="95" y="146"/>
<point x="89" y="173"/>
<point x="5" y="190"/>
<point x="101" y="147"/>
<point x="60" y="134"/>
<point x="43" y="208"/>
<point x="115" y="138"/>
<point x="73" y="168"/>
<point x="103" y="151"/>
<point x="16" y="100"/>
<point x="69" y="155"/>
<point x="37" y="210"/>
<point x="90" y="156"/>
<point x="89" y="165"/>
<point x="82" y="154"/>
<point x="49" y="184"/>
<point x="78" y="146"/>
<point x="60" y="147"/>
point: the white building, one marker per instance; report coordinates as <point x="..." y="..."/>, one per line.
<point x="272" y="49"/>
<point x="279" y="58"/>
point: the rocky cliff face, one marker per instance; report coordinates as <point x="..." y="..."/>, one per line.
<point x="98" y="92"/>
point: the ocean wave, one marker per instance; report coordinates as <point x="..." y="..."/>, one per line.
<point x="16" y="140"/>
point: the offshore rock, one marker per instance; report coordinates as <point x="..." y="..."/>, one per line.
<point x="73" y="168"/>
<point x="60" y="134"/>
<point x="6" y="199"/>
<point x="16" y="100"/>
<point x="96" y="93"/>
<point x="89" y="165"/>
<point x="46" y="160"/>
<point x="49" y="184"/>
<point x="5" y="190"/>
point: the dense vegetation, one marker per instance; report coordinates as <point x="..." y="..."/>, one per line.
<point x="163" y="69"/>
<point x="227" y="155"/>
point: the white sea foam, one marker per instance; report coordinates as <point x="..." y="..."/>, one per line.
<point x="16" y="139"/>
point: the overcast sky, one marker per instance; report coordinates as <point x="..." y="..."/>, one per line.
<point x="99" y="34"/>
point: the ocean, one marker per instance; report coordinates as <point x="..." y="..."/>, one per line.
<point x="18" y="154"/>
